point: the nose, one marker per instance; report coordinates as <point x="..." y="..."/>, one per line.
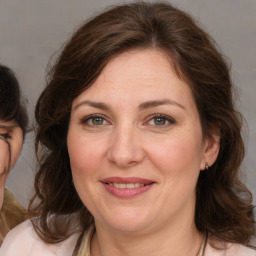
<point x="125" y="149"/>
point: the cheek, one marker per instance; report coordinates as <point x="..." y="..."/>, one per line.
<point x="178" y="156"/>
<point x="84" y="155"/>
<point x="85" y="160"/>
<point x="179" y="165"/>
<point x="16" y="145"/>
<point x="1" y="196"/>
<point x="4" y="158"/>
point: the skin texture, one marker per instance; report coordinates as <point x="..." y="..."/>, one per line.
<point x="126" y="140"/>
<point x="12" y="134"/>
<point x="4" y="158"/>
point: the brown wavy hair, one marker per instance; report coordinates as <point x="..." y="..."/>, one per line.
<point x="224" y="205"/>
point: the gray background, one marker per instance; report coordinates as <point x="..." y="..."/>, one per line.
<point x="32" y="30"/>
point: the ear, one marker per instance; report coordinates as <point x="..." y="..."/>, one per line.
<point x="210" y="151"/>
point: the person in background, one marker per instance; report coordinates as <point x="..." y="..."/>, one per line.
<point x="139" y="144"/>
<point x="13" y="124"/>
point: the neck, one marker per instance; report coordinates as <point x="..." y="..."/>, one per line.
<point x="178" y="240"/>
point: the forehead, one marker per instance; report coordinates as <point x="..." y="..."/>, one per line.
<point x="8" y="124"/>
<point x="138" y="74"/>
<point x="134" y="58"/>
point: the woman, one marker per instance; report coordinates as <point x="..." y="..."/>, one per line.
<point x="13" y="123"/>
<point x="139" y="144"/>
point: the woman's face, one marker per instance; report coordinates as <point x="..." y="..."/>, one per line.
<point x="10" y="134"/>
<point x="135" y="145"/>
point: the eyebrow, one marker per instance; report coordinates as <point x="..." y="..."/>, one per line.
<point x="99" y="105"/>
<point x="142" y="106"/>
<point x="8" y="126"/>
<point x="156" y="103"/>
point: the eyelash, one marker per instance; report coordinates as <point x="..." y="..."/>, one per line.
<point x="86" y="120"/>
<point x="161" y="116"/>
<point x="93" y="116"/>
<point x="5" y="136"/>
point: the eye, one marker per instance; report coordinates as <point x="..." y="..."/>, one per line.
<point x="5" y="136"/>
<point x="95" y="120"/>
<point x="161" y="120"/>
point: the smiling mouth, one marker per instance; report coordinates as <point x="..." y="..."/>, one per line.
<point x="127" y="185"/>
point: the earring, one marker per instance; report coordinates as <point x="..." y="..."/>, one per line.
<point x="206" y="166"/>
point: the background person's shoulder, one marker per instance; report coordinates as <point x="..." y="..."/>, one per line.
<point x="19" y="240"/>
<point x="241" y="250"/>
<point x="24" y="241"/>
<point x="228" y="249"/>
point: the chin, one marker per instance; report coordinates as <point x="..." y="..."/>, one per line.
<point x="129" y="221"/>
<point x="129" y="227"/>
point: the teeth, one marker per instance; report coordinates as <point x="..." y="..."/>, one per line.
<point x="128" y="185"/>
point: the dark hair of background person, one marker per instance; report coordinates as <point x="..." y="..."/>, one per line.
<point x="11" y="106"/>
<point x="223" y="204"/>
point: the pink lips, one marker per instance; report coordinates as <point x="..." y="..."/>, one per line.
<point x="127" y="187"/>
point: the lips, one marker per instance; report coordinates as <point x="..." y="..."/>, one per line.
<point x="127" y="187"/>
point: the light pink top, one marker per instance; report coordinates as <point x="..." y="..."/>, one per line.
<point x="23" y="241"/>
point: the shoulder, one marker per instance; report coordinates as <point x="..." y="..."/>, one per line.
<point x="230" y="250"/>
<point x="240" y="250"/>
<point x="24" y="241"/>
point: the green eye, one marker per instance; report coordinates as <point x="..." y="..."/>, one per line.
<point x="94" y="121"/>
<point x="159" y="120"/>
<point x="97" y="120"/>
